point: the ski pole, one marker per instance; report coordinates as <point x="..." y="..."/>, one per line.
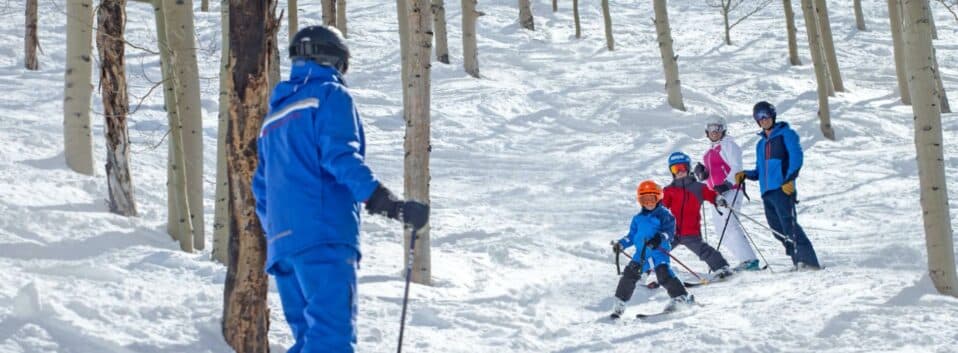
<point x="705" y="228"/>
<point x="683" y="265"/>
<point x="734" y="198"/>
<point x="755" y="245"/>
<point x="405" y="298"/>
<point x="777" y="234"/>
<point x="618" y="268"/>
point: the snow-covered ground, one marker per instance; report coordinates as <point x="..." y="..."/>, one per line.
<point x="534" y="168"/>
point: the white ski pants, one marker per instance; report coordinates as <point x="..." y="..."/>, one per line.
<point x="734" y="241"/>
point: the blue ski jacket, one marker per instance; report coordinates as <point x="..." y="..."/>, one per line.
<point x="647" y="224"/>
<point x="311" y="175"/>
<point x="778" y="158"/>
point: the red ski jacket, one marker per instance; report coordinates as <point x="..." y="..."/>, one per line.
<point x="684" y="197"/>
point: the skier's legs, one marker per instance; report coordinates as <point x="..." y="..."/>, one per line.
<point x="804" y="252"/>
<point x="704" y="251"/>
<point x="773" y="216"/>
<point x="734" y="241"/>
<point x="293" y="301"/>
<point x="327" y="275"/>
<point x="627" y="281"/>
<point x="668" y="280"/>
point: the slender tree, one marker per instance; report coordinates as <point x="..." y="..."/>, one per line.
<point x="929" y="142"/>
<point x="205" y="5"/>
<point x="30" y="41"/>
<point x="555" y="5"/>
<point x="416" y="145"/>
<point x="859" y="16"/>
<point x="945" y="107"/>
<point x="607" y="17"/>
<point x="329" y="12"/>
<point x="292" y="16"/>
<point x="730" y="7"/>
<point x="575" y="17"/>
<point x="898" y="45"/>
<point x="77" y="90"/>
<point x="821" y="72"/>
<point x="252" y="27"/>
<point x="793" y="58"/>
<point x="439" y="28"/>
<point x="111" y="18"/>
<point x="341" y="16"/>
<point x="221" y="229"/>
<point x="185" y="74"/>
<point x="470" y="51"/>
<point x="669" y="60"/>
<point x="525" y="15"/>
<point x="931" y="21"/>
<point x="825" y="35"/>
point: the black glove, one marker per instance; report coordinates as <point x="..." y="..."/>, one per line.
<point x="723" y="187"/>
<point x="616" y="247"/>
<point x="656" y="241"/>
<point x="415" y="214"/>
<point x="700" y="172"/>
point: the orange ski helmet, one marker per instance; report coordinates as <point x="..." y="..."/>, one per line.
<point x="649" y="187"/>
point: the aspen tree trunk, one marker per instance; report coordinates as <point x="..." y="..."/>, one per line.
<point x="274" y="66"/>
<point x="341" y="17"/>
<point x="555" y="5"/>
<point x="931" y="22"/>
<point x="859" y="16"/>
<point x="182" y="46"/>
<point x="402" y="18"/>
<point x="525" y="15"/>
<point x="439" y="29"/>
<point x="898" y="45"/>
<point x="945" y="107"/>
<point x="607" y="16"/>
<point x="728" y="30"/>
<point x="575" y="16"/>
<point x="329" y="12"/>
<point x="793" y="58"/>
<point x="77" y="90"/>
<point x="825" y="33"/>
<point x="818" y="61"/>
<point x="416" y="145"/>
<point x="30" y="41"/>
<point x="669" y="61"/>
<point x="292" y="16"/>
<point x="252" y="29"/>
<point x="929" y="142"/>
<point x="221" y="219"/>
<point x="111" y="18"/>
<point x="470" y="50"/>
<point x="205" y="5"/>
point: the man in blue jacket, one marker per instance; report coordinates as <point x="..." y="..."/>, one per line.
<point x="778" y="160"/>
<point x="309" y="183"/>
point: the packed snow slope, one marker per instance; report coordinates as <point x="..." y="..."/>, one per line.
<point x="534" y="168"/>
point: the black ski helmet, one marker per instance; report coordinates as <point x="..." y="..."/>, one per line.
<point x="323" y="44"/>
<point x="762" y="109"/>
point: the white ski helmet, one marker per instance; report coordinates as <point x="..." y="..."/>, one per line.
<point x="715" y="123"/>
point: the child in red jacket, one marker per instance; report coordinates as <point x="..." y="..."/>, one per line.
<point x="684" y="197"/>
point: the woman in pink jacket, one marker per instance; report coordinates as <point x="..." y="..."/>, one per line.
<point x="721" y="162"/>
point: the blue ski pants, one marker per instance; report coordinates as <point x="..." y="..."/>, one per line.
<point x="781" y="216"/>
<point x="317" y="288"/>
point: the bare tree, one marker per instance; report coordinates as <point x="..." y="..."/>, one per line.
<point x="341" y="16"/>
<point x="951" y="6"/>
<point x="525" y="15"/>
<point x="292" y="17"/>
<point x="30" y="40"/>
<point x="821" y="72"/>
<point x="252" y="33"/>
<point x="928" y="143"/>
<point x="825" y="35"/>
<point x="329" y="12"/>
<point x="439" y="28"/>
<point x="859" y="16"/>
<point x="945" y="107"/>
<point x="77" y="90"/>
<point x="792" y="40"/>
<point x="205" y="5"/>
<point x="470" y="51"/>
<point x="111" y="18"/>
<point x="184" y="72"/>
<point x="669" y="60"/>
<point x="575" y="16"/>
<point x="898" y="45"/>
<point x="416" y="145"/>
<point x="221" y="220"/>
<point x="931" y="21"/>
<point x="730" y="7"/>
<point x="607" y="17"/>
<point x="555" y="5"/>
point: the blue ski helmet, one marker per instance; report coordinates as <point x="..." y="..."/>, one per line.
<point x="679" y="158"/>
<point x="323" y="44"/>
<point x="763" y="110"/>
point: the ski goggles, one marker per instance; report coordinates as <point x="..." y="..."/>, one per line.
<point x="762" y="115"/>
<point x="648" y="199"/>
<point x="681" y="167"/>
<point x="714" y="128"/>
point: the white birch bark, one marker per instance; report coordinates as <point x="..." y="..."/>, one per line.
<point x="77" y="89"/>
<point x="669" y="61"/>
<point x="416" y="145"/>
<point x="818" y="61"/>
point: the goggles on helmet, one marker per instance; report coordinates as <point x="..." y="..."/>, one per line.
<point x="714" y="128"/>
<point x="762" y="115"/>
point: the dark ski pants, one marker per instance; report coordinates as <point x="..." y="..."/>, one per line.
<point x="317" y="289"/>
<point x="632" y="274"/>
<point x="703" y="250"/>
<point x="781" y="216"/>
